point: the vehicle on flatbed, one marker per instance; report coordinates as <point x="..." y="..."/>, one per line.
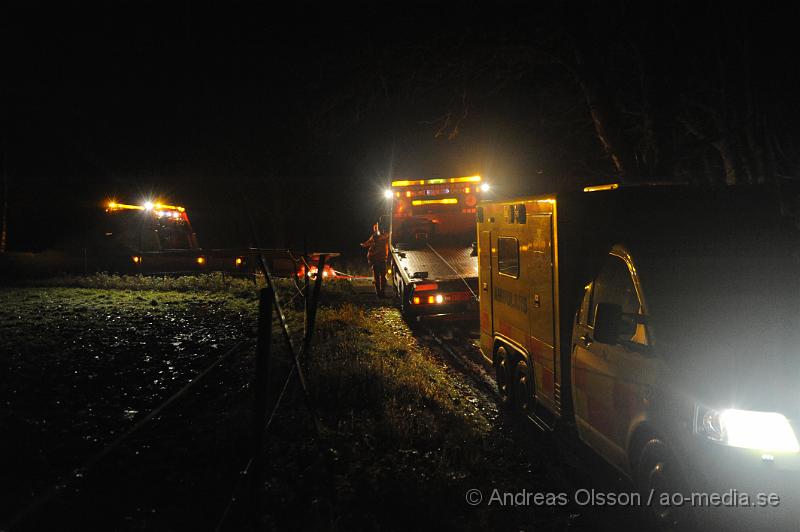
<point x="662" y="325"/>
<point x="432" y="255"/>
<point x="154" y="237"/>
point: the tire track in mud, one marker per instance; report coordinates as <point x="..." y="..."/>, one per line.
<point x="564" y="465"/>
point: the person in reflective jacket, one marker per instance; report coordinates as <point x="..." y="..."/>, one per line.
<point x="377" y="254"/>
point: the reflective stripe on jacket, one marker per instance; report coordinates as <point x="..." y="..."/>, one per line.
<point x="377" y="248"/>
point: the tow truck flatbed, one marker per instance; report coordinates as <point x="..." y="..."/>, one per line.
<point x="443" y="263"/>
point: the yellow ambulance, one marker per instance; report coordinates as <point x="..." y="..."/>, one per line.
<point x="662" y="324"/>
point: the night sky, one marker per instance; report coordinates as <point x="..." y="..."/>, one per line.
<point x="300" y="116"/>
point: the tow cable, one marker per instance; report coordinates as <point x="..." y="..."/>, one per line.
<point x="475" y="297"/>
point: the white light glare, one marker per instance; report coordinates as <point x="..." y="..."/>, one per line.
<point x="765" y="431"/>
<point x="148" y="205"/>
<point x="439" y="298"/>
<point x="387" y="194"/>
<point x="485" y="187"/>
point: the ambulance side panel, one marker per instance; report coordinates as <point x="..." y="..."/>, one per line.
<point x="485" y="286"/>
<point x="510" y="294"/>
<point x="542" y="329"/>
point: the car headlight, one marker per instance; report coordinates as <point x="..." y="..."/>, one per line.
<point x="764" y="431"/>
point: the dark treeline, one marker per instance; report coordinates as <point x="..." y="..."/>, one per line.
<point x="299" y="112"/>
<point x="647" y="91"/>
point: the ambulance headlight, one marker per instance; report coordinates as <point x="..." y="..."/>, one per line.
<point x="762" y="431"/>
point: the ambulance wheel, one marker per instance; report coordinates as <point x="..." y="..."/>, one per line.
<point x="658" y="478"/>
<point x="523" y="386"/>
<point x="502" y="372"/>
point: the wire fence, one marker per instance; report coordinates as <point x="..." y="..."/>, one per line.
<point x="79" y="473"/>
<point x="246" y="470"/>
<point x="270" y="305"/>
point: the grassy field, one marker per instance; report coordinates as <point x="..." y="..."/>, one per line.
<point x="83" y="364"/>
<point x="402" y="436"/>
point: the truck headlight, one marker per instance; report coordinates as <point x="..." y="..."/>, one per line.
<point x="764" y="431"/>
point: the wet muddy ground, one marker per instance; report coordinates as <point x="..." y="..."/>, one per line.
<point x="410" y="422"/>
<point x="81" y="366"/>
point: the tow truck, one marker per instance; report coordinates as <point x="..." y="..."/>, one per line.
<point x="155" y="237"/>
<point x="660" y="325"/>
<point x="433" y="259"/>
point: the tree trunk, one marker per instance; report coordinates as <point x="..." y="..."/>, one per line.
<point x="658" y="153"/>
<point x="4" y="228"/>
<point x="729" y="162"/>
<point x="605" y="116"/>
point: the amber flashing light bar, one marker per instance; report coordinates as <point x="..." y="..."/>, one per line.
<point x="114" y="206"/>
<point x="598" y="188"/>
<point x="405" y="183"/>
<point x="445" y="201"/>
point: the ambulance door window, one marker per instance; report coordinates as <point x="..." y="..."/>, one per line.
<point x="615" y="285"/>
<point x="508" y="256"/>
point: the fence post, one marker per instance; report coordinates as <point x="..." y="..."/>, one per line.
<point x="264" y="341"/>
<point x="306" y="294"/>
<point x="311" y="310"/>
<point x="296" y="354"/>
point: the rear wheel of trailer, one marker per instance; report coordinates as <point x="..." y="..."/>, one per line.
<point x="503" y="366"/>
<point x="522" y="382"/>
